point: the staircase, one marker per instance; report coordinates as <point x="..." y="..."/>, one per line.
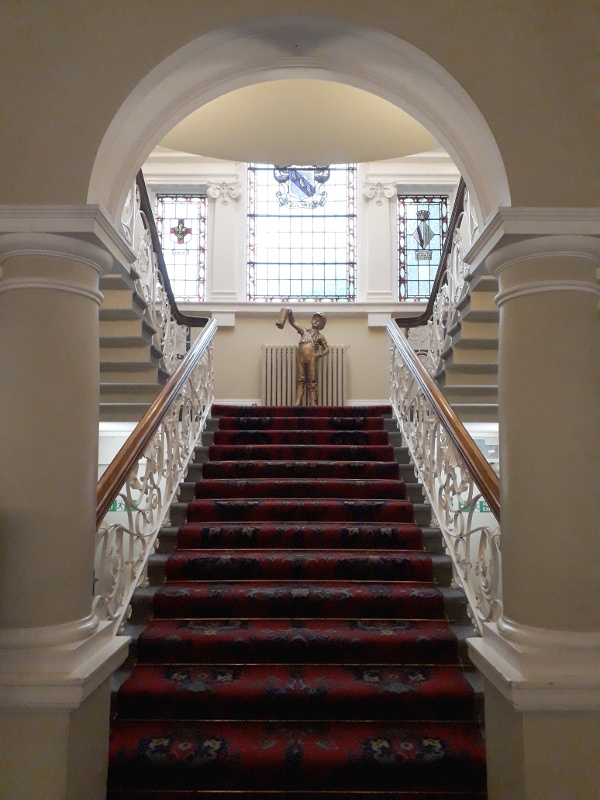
<point x="131" y="374"/>
<point x="299" y="638"/>
<point x="468" y="375"/>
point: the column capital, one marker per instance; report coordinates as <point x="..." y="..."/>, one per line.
<point x="83" y="224"/>
<point x="57" y="246"/>
<point x="50" y="245"/>
<point x="558" y="246"/>
<point x="564" y="228"/>
<point x="561" y="245"/>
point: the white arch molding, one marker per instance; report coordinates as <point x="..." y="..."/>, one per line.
<point x="287" y="46"/>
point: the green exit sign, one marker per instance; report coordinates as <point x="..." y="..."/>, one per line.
<point x="481" y="506"/>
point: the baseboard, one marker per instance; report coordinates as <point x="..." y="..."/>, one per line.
<point x="254" y="401"/>
<point x="237" y="401"/>
<point x="369" y="402"/>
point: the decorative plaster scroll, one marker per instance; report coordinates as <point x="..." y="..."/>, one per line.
<point x="224" y="190"/>
<point x="378" y="190"/>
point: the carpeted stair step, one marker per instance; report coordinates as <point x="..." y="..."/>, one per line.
<point x="323" y="564"/>
<point x="300" y="487"/>
<point x="306" y="510"/>
<point x="300" y="452"/>
<point x="293" y="641"/>
<point x="275" y="599"/>
<point x="320" y="437"/>
<point x="306" y="536"/>
<point x="353" y="470"/>
<point x="363" y="756"/>
<point x="417" y="513"/>
<point x="305" y="423"/>
<point x="292" y="794"/>
<point x="297" y="641"/>
<point x="284" y="691"/>
<point x="219" y="410"/>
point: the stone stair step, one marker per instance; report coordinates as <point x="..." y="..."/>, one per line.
<point x="467" y="329"/>
<point x="123" y="412"/>
<point x="467" y="375"/>
<point x="474" y="355"/>
<point x="139" y="374"/>
<point x="128" y="392"/>
<point x="476" y="412"/>
<point x="474" y="393"/>
<point x="116" y="332"/>
<point x="478" y="302"/>
<point x="138" y="354"/>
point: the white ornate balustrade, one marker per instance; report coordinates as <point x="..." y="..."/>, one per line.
<point x="452" y="472"/>
<point x="170" y="337"/>
<point x="152" y="483"/>
<point x="430" y="339"/>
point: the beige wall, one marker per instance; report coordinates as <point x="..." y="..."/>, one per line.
<point x="527" y="65"/>
<point x="518" y="748"/>
<point x="238" y="355"/>
<point x="55" y="754"/>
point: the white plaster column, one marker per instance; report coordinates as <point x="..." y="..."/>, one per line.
<point x="222" y="282"/>
<point x="380" y="242"/>
<point x="55" y="656"/>
<point x="541" y="660"/>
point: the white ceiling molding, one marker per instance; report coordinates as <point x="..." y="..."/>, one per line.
<point x="244" y="309"/>
<point x="284" y="47"/>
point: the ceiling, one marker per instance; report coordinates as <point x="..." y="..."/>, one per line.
<point x="300" y="122"/>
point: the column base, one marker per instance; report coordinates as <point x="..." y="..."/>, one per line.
<point x="541" y="700"/>
<point x="59" y="666"/>
<point x="538" y="669"/>
<point x="55" y="709"/>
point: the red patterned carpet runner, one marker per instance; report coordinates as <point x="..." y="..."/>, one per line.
<point x="299" y="646"/>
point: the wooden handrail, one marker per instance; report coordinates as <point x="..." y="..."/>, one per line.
<point x="441" y="274"/>
<point x="483" y="475"/>
<point x="115" y="476"/>
<point x="146" y="209"/>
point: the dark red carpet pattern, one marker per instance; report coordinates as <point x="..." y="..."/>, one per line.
<point x="299" y="646"/>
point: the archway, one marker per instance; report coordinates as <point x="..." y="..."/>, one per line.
<point x="298" y="47"/>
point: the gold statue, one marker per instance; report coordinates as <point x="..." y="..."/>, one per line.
<point x="312" y="347"/>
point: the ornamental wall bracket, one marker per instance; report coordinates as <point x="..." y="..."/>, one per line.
<point x="378" y="190"/>
<point x="226" y="191"/>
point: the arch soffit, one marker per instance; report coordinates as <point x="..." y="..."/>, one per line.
<point x="298" y="47"/>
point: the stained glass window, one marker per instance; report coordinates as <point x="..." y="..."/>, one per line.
<point x="301" y="233"/>
<point x="422" y="228"/>
<point x="181" y="224"/>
